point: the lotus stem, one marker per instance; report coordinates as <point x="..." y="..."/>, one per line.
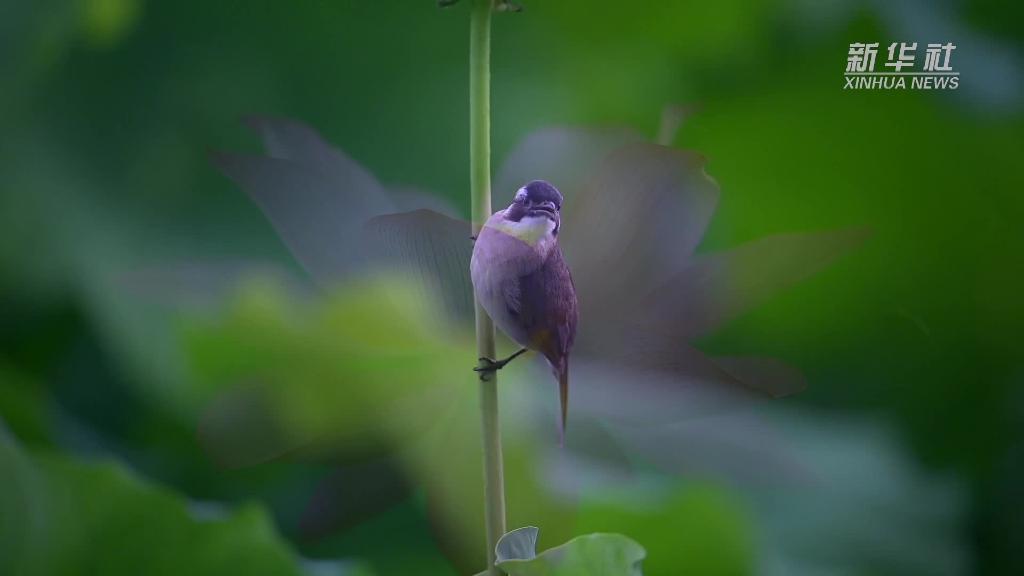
<point x="480" y="181"/>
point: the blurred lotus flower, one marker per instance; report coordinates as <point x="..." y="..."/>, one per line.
<point x="635" y="213"/>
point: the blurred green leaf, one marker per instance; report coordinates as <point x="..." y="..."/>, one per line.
<point x="360" y="367"/>
<point x="106" y="22"/>
<point x="23" y="405"/>
<point x="696" y="529"/>
<point x="63" y="516"/>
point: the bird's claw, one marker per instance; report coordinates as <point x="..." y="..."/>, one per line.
<point x="489" y="365"/>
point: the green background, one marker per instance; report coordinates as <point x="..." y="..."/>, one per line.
<point x="110" y="108"/>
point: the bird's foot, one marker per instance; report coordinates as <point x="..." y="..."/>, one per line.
<point x="490" y="365"/>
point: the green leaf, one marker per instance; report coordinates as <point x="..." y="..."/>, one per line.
<point x="519" y="544"/>
<point x="59" y="515"/>
<point x="589" y="555"/>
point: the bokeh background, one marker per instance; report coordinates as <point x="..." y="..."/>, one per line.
<point x="913" y="420"/>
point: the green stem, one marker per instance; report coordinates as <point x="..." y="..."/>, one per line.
<point x="480" y="180"/>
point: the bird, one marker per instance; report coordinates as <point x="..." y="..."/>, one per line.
<point x="521" y="279"/>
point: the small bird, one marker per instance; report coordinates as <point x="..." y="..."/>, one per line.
<point x="522" y="281"/>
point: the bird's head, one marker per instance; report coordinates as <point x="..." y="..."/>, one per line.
<point x="536" y="204"/>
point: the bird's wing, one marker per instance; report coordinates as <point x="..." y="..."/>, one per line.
<point x="547" y="311"/>
<point x="513" y="295"/>
<point x="547" y="307"/>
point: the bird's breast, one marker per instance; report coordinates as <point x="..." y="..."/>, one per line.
<point x="499" y="262"/>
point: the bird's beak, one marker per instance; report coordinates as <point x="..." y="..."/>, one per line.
<point x="544" y="208"/>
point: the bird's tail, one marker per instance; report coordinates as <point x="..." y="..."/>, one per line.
<point x="562" y="372"/>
